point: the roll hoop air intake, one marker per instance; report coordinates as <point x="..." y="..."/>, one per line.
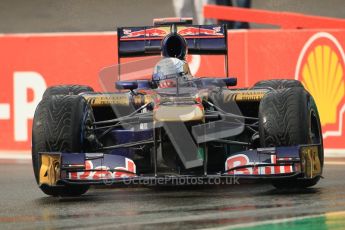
<point x="174" y="45"/>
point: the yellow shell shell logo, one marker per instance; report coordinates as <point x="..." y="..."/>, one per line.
<point x="320" y="67"/>
<point x="323" y="76"/>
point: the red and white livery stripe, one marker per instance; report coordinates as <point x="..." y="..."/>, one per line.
<point x="242" y="160"/>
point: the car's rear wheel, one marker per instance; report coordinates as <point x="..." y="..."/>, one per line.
<point x="289" y="117"/>
<point x="66" y="90"/>
<point x="58" y="126"/>
<point x="278" y="84"/>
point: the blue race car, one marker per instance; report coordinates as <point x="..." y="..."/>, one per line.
<point x="174" y="125"/>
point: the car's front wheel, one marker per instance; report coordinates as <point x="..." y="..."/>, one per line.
<point x="58" y="126"/>
<point x="289" y="117"/>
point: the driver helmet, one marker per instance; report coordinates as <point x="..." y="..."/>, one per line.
<point x="168" y="71"/>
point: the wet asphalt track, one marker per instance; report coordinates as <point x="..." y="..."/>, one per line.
<point x="24" y="206"/>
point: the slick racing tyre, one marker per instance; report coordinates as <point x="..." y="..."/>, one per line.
<point x="278" y="84"/>
<point x="66" y="90"/>
<point x="289" y="117"/>
<point x="58" y="126"/>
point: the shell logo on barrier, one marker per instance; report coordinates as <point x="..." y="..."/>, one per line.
<point x="320" y="68"/>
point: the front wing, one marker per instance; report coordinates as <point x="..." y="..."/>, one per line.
<point x="98" y="168"/>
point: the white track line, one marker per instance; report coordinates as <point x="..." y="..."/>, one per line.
<point x="17" y="155"/>
<point x="335" y="153"/>
<point x="283" y="220"/>
<point x="259" y="223"/>
<point x="334" y="162"/>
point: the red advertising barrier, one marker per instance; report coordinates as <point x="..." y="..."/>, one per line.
<point x="30" y="63"/>
<point x="313" y="57"/>
<point x="286" y="20"/>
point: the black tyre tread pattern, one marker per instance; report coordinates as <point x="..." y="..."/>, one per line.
<point x="283" y="111"/>
<point x="278" y="84"/>
<point x="57" y="127"/>
<point x="66" y="90"/>
<point x="60" y="124"/>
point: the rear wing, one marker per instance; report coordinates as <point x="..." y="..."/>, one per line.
<point x="145" y="41"/>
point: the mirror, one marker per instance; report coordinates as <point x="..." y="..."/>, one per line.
<point x="131" y="85"/>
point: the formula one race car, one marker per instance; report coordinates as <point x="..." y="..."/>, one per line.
<point x="174" y="125"/>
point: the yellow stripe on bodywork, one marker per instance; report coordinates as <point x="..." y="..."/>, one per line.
<point x="250" y="96"/>
<point x="107" y="99"/>
<point x="117" y="99"/>
<point x="244" y="95"/>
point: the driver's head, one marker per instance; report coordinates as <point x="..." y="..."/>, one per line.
<point x="167" y="71"/>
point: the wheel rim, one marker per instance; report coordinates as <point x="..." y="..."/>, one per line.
<point x="314" y="129"/>
<point x="315" y="135"/>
